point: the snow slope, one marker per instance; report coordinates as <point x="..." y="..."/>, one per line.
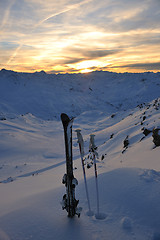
<point x="115" y="107"/>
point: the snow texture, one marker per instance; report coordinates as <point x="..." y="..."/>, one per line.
<point x="121" y="110"/>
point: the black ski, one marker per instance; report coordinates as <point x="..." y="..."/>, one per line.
<point x="69" y="202"/>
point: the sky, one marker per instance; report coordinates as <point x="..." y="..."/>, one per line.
<point x="60" y="36"/>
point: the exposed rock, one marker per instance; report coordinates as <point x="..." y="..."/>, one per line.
<point x="146" y="132"/>
<point x="156" y="137"/>
<point x="126" y="142"/>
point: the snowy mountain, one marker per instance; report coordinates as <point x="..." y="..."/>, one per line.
<point x="121" y="110"/>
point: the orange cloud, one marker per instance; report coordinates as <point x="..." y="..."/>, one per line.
<point x="83" y="36"/>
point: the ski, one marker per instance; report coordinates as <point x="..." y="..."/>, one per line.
<point x="69" y="202"/>
<point x="81" y="149"/>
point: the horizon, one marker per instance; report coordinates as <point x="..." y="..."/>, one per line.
<point x="80" y="36"/>
<point x="76" y="73"/>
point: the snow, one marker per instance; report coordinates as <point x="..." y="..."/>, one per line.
<point x="114" y="107"/>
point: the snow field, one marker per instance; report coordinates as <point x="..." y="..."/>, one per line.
<point x="114" y="107"/>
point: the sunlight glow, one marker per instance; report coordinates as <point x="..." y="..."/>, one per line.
<point x="79" y="36"/>
<point x="86" y="64"/>
<point x="86" y="70"/>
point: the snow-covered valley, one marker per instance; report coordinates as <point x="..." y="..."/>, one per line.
<point x="117" y="108"/>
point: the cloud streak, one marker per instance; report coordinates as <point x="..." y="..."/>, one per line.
<point x="144" y="66"/>
<point x="6" y="14"/>
<point x="65" y="10"/>
<point x="68" y="8"/>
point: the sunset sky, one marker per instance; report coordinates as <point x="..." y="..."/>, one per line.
<point x="80" y="35"/>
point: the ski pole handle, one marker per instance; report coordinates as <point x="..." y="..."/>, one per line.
<point x="80" y="141"/>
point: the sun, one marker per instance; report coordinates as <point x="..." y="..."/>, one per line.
<point x="86" y="66"/>
<point x="86" y="70"/>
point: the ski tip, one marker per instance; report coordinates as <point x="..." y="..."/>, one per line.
<point x="64" y="117"/>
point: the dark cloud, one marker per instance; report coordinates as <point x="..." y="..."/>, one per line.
<point x="86" y="55"/>
<point x="71" y="60"/>
<point x="144" y="66"/>
<point x="91" y="54"/>
<point x="83" y="54"/>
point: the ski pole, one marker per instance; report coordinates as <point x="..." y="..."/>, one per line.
<point x="92" y="148"/>
<point x="81" y="148"/>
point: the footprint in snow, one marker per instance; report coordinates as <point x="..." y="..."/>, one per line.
<point x="126" y="223"/>
<point x="100" y="216"/>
